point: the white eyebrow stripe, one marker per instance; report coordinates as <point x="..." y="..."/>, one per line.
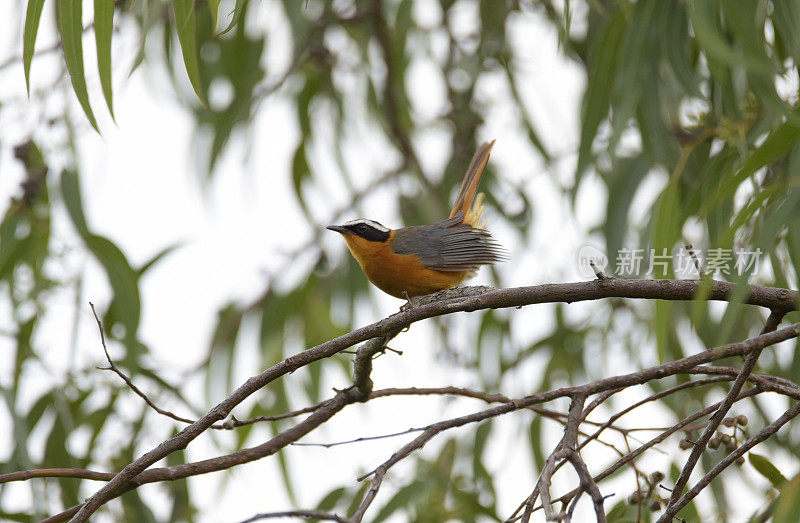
<point x="373" y="224"/>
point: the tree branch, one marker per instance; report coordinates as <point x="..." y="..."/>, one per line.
<point x="305" y="514"/>
<point x="632" y="456"/>
<point x="566" y="449"/>
<point x="25" y="475"/>
<point x="772" y="298"/>
<point x="774" y="319"/>
<point x="229" y="424"/>
<point x="223" y="462"/>
<point x="765" y="433"/>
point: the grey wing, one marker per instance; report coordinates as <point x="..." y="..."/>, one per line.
<point x="450" y="245"/>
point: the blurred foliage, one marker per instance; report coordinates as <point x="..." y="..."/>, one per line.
<point x="700" y="97"/>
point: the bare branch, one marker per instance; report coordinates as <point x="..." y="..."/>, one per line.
<point x="650" y="444"/>
<point x="305" y="514"/>
<point x="127" y="380"/>
<point x="598" y="272"/>
<point x="222" y="462"/>
<point x="232" y="422"/>
<point x="229" y="424"/>
<point x="588" y="483"/>
<point x="673" y="508"/>
<point x="639" y="377"/>
<point x="484" y="396"/>
<point x="358" y="440"/>
<point x="695" y="259"/>
<point x="773" y="298"/>
<point x="764" y="383"/>
<point x="651" y="398"/>
<point x="771" y="383"/>
<point x="565" y="449"/>
<point x="775" y="317"/>
<point x="25" y="475"/>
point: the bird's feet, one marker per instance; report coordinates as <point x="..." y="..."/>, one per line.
<point x="409" y="304"/>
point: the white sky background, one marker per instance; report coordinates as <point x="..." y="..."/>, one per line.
<point x="141" y="189"/>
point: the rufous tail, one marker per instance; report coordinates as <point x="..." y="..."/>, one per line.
<point x="467" y="203"/>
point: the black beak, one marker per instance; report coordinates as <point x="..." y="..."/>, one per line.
<point x="337" y="228"/>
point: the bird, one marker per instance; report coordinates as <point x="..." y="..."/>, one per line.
<point x="423" y="259"/>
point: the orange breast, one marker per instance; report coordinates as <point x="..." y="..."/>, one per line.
<point x="398" y="273"/>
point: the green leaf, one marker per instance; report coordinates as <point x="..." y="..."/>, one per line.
<point x="666" y="345"/>
<point x="103" y="27"/>
<point x="788" y="505"/>
<point x="668" y="218"/>
<point x="329" y="501"/>
<point x="70" y="25"/>
<point x="182" y="507"/>
<point x="155" y="259"/>
<point x="402" y="499"/>
<point x="714" y="41"/>
<point x="622" y="185"/>
<point x="535" y="439"/>
<point x="355" y="499"/>
<point x="624" y="512"/>
<point x="634" y="66"/>
<point x="786" y="19"/>
<point x="70" y="190"/>
<point x="777" y="144"/>
<point x="15" y="516"/>
<point x="767" y="469"/>
<point x="32" y="16"/>
<point x="238" y="9"/>
<point x="186" y="26"/>
<point x="598" y="91"/>
<point x="213" y="8"/>
<point x="57" y="455"/>
<point x="13" y="248"/>
<point x="146" y="22"/>
<point x="286" y="474"/>
<point x="135" y="509"/>
<point x="674" y="45"/>
<point x="126" y="305"/>
<point x="38" y="409"/>
<point x="533" y="135"/>
<point x="24" y="349"/>
<point x="301" y="173"/>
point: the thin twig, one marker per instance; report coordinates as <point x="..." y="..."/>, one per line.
<point x="564" y="450"/>
<point x="232" y="422"/>
<point x="699" y="447"/>
<point x="568" y="449"/>
<point x="127" y="380"/>
<point x="650" y="444"/>
<point x="598" y="271"/>
<point x="653" y="289"/>
<point x="357" y="440"/>
<point x="695" y="259"/>
<point x="305" y="514"/>
<point x="229" y="424"/>
<point x="320" y="416"/>
<point x="762" y="435"/>
<point x="25" y="475"/>
<point x="488" y="398"/>
<point x="772" y="383"/>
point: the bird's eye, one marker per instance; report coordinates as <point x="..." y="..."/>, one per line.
<point x="361" y="227"/>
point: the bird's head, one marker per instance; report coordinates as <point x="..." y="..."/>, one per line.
<point x="368" y="230"/>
